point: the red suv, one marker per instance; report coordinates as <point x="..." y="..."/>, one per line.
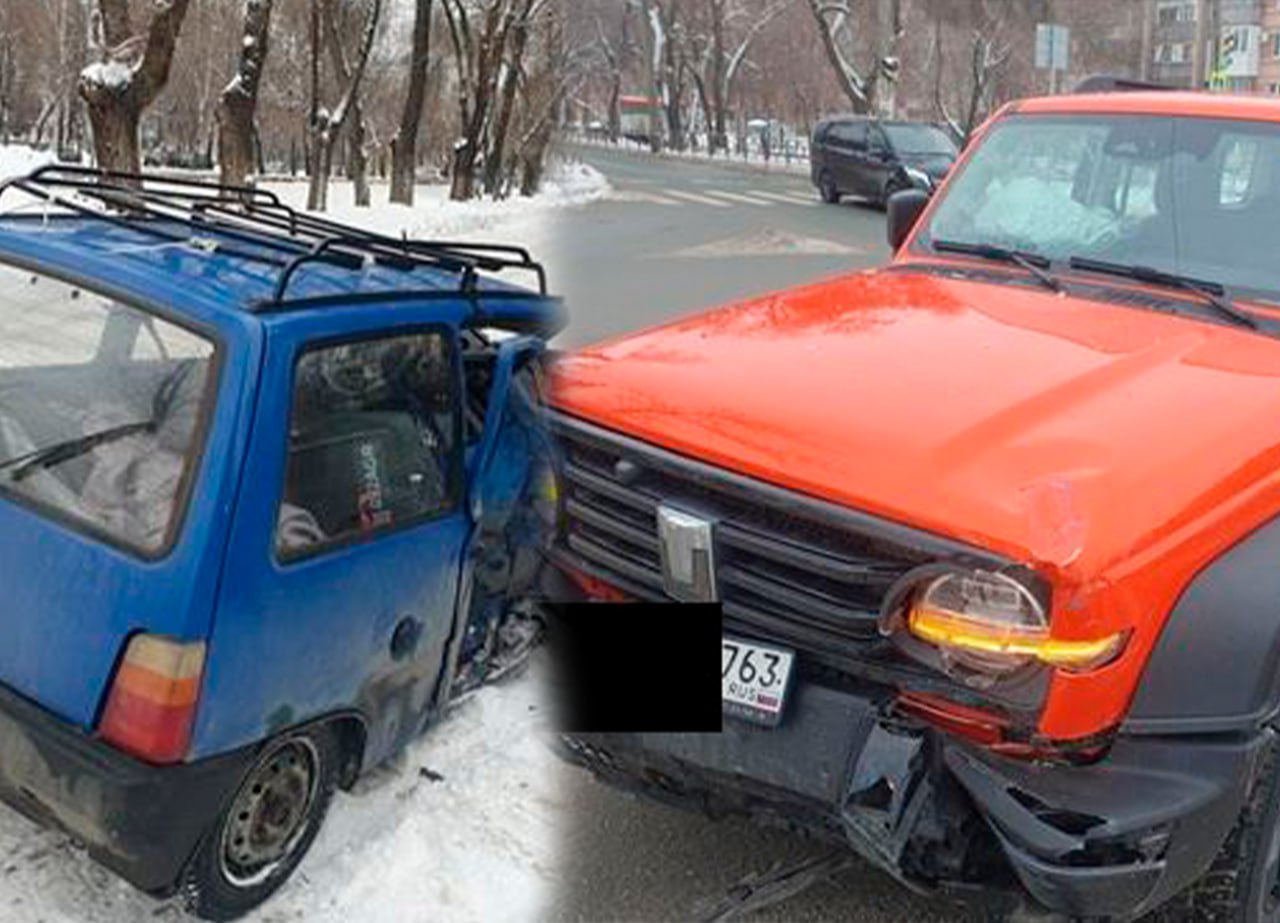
<point x="995" y="528"/>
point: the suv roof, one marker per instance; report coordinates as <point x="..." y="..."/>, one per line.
<point x="1157" y="102"/>
<point x="236" y="250"/>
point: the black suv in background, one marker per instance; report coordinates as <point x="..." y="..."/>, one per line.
<point x="873" y="159"/>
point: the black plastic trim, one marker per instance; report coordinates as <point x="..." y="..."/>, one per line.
<point x="143" y="822"/>
<point x="1225" y="625"/>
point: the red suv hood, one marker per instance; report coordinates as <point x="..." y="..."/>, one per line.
<point x="1068" y="432"/>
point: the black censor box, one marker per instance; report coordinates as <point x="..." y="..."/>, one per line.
<point x="640" y="667"/>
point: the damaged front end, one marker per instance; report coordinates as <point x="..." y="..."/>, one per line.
<point x="1113" y="838"/>
<point x="511" y="473"/>
<point x="909" y="732"/>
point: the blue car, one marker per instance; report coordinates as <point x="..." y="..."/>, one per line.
<point x="273" y="492"/>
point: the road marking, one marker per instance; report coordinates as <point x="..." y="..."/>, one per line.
<point x="644" y="197"/>
<point x="793" y="198"/>
<point x="695" y="198"/>
<point x="768" y="242"/>
<point x="735" y="197"/>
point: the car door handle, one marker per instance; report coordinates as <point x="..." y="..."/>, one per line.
<point x="404" y="640"/>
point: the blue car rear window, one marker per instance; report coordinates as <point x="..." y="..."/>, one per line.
<point x="100" y="409"/>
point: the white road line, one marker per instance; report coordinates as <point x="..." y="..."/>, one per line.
<point x="695" y="198"/>
<point x="794" y="198"/>
<point x="735" y="197"/>
<point x="647" y="198"/>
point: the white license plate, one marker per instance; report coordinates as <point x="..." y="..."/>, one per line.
<point x="754" y="679"/>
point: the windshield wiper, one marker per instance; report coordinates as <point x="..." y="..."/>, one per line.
<point x="26" y="464"/>
<point x="1213" y="293"/>
<point x="1032" y="262"/>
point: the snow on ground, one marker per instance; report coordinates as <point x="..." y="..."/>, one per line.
<point x="16" y="159"/>
<point x="478" y="844"/>
<point x="517" y="219"/>
<point x="792" y="159"/>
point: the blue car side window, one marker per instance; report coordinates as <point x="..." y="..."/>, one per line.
<point x="373" y="441"/>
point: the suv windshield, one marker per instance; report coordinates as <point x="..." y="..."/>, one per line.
<point x="1185" y="196"/>
<point x="99" y="408"/>
<point x="919" y="139"/>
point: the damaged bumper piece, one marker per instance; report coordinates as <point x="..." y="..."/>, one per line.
<point x="1113" y="838"/>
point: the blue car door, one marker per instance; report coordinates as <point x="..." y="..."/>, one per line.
<point x="342" y="578"/>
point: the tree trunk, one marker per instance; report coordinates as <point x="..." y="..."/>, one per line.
<point x="404" y="145"/>
<point x="358" y="158"/>
<point x="495" y="160"/>
<point x="235" y="140"/>
<point x="239" y="100"/>
<point x="323" y="127"/>
<point x="321" y="167"/>
<point x="116" y="94"/>
<point x="114" y="120"/>
<point x="463" y="181"/>
<point x="719" y="133"/>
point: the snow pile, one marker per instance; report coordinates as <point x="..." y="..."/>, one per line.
<point x="461" y="828"/>
<point x="433" y="214"/>
<point x="17" y="160"/>
<point x="110" y="75"/>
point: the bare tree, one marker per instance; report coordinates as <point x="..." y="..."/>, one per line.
<point x="239" y="100"/>
<point x="970" y="51"/>
<point x="478" y="36"/>
<point x="655" y="47"/>
<point x="357" y="130"/>
<point x="838" y="22"/>
<point x="324" y="124"/>
<point x="727" y="54"/>
<point x="617" y="55"/>
<point x="404" y="144"/>
<point x="521" y="25"/>
<point x="131" y="71"/>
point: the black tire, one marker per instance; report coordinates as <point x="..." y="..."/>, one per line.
<point x="827" y="189"/>
<point x="1243" y="883"/>
<point x="892" y="185"/>
<point x="277" y="806"/>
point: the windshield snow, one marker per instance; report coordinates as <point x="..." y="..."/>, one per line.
<point x="1193" y="197"/>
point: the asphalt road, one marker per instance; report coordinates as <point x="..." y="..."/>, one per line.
<point x="676" y="237"/>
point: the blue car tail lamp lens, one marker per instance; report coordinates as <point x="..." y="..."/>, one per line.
<point x="153" y="698"/>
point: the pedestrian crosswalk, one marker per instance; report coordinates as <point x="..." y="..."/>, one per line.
<point x="715" y="198"/>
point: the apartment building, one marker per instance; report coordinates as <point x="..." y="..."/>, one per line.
<point x="1269" y="53"/>
<point x="1240" y="44"/>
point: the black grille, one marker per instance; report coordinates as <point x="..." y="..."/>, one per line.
<point x="789" y="569"/>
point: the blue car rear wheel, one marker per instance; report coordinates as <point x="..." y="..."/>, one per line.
<point x="268" y="827"/>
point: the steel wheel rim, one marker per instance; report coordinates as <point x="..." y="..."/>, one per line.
<point x="270" y="814"/>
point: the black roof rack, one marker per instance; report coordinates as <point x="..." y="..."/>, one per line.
<point x="1103" y="83"/>
<point x="275" y="233"/>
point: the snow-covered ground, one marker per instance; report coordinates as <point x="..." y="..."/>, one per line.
<point x="792" y="159"/>
<point x="479" y="843"/>
<point x="518" y="219"/>
<point x="16" y="159"/>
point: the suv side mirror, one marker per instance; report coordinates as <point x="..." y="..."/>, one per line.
<point x="902" y="213"/>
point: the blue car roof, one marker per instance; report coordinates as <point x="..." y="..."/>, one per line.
<point x="207" y="268"/>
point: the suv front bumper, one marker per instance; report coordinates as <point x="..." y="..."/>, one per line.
<point x="143" y="822"/>
<point x="1113" y="838"/>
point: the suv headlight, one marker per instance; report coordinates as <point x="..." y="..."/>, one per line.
<point x="919" y="177"/>
<point x="980" y="626"/>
